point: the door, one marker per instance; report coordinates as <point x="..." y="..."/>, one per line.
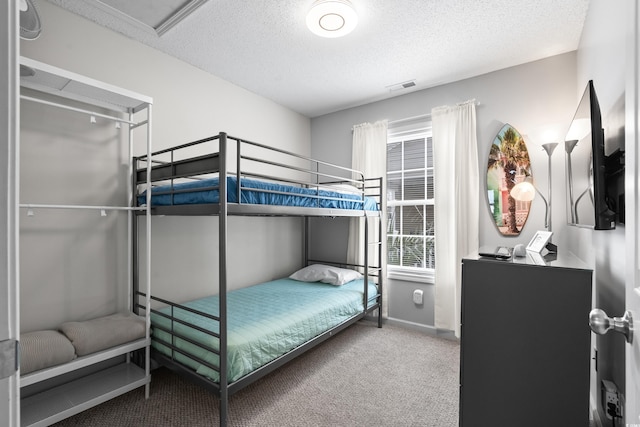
<point x="630" y="321"/>
<point x="9" y="387"/>
<point x="632" y="230"/>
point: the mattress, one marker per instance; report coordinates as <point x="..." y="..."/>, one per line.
<point x="256" y="192"/>
<point x="264" y="321"/>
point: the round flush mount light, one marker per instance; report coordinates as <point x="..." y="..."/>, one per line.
<point x="332" y="18"/>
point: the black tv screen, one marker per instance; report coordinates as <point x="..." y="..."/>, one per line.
<point x="586" y="167"/>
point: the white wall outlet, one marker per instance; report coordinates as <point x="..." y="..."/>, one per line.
<point x="610" y="399"/>
<point x="417" y="296"/>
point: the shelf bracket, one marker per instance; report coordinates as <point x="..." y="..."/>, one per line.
<point x="9" y="358"/>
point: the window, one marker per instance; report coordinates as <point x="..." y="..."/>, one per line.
<point x="410" y="206"/>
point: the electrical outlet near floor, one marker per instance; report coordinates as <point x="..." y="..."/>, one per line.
<point x="611" y="400"/>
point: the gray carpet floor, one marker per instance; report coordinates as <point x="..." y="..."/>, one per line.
<point x="364" y="376"/>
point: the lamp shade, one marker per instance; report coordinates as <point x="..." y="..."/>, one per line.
<point x="523" y="191"/>
<point x="332" y="18"/>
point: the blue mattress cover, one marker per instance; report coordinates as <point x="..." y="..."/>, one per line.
<point x="264" y="322"/>
<point x="206" y="191"/>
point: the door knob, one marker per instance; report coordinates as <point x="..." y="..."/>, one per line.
<point x="601" y="323"/>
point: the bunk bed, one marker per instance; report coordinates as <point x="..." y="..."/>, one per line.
<point x="80" y="363"/>
<point x="234" y="337"/>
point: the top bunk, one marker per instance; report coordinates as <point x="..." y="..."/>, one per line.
<point x="188" y="180"/>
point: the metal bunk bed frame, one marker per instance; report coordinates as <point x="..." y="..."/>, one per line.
<point x="217" y="162"/>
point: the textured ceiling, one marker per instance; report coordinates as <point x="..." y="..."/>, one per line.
<point x="265" y="47"/>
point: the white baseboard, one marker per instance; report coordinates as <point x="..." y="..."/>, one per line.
<point x="427" y="329"/>
<point x="593" y="410"/>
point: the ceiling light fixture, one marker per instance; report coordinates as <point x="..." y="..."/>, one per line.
<point x="332" y="18"/>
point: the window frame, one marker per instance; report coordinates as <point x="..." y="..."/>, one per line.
<point x="408" y="132"/>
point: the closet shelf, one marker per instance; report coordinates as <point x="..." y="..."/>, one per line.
<point x="58" y="403"/>
<point x="56" y="81"/>
<point x="81" y="362"/>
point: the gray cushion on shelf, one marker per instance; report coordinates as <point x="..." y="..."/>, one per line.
<point x="44" y="349"/>
<point x="101" y="333"/>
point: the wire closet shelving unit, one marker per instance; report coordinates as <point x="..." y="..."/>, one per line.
<point x="58" y="88"/>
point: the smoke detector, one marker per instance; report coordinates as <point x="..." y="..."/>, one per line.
<point x="402" y="86"/>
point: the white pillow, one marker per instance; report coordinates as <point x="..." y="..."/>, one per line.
<point x="325" y="274"/>
<point x="343" y="188"/>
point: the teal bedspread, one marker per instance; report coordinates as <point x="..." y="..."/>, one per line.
<point x="264" y="321"/>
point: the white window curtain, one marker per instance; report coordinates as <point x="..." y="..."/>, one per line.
<point x="369" y="155"/>
<point x="457" y="199"/>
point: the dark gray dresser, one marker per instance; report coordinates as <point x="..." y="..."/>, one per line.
<point x="525" y="343"/>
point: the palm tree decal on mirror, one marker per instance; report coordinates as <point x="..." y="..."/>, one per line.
<point x="508" y="165"/>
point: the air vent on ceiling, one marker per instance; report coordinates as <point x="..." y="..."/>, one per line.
<point x="402" y="86"/>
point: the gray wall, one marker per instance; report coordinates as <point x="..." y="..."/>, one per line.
<point x="537" y="98"/>
<point x="73" y="264"/>
<point x="602" y="57"/>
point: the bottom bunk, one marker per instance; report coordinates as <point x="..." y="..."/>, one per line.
<point x="268" y="324"/>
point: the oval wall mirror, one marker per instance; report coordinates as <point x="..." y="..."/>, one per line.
<point x="508" y="165"/>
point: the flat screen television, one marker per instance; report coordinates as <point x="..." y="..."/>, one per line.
<point x="588" y="201"/>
